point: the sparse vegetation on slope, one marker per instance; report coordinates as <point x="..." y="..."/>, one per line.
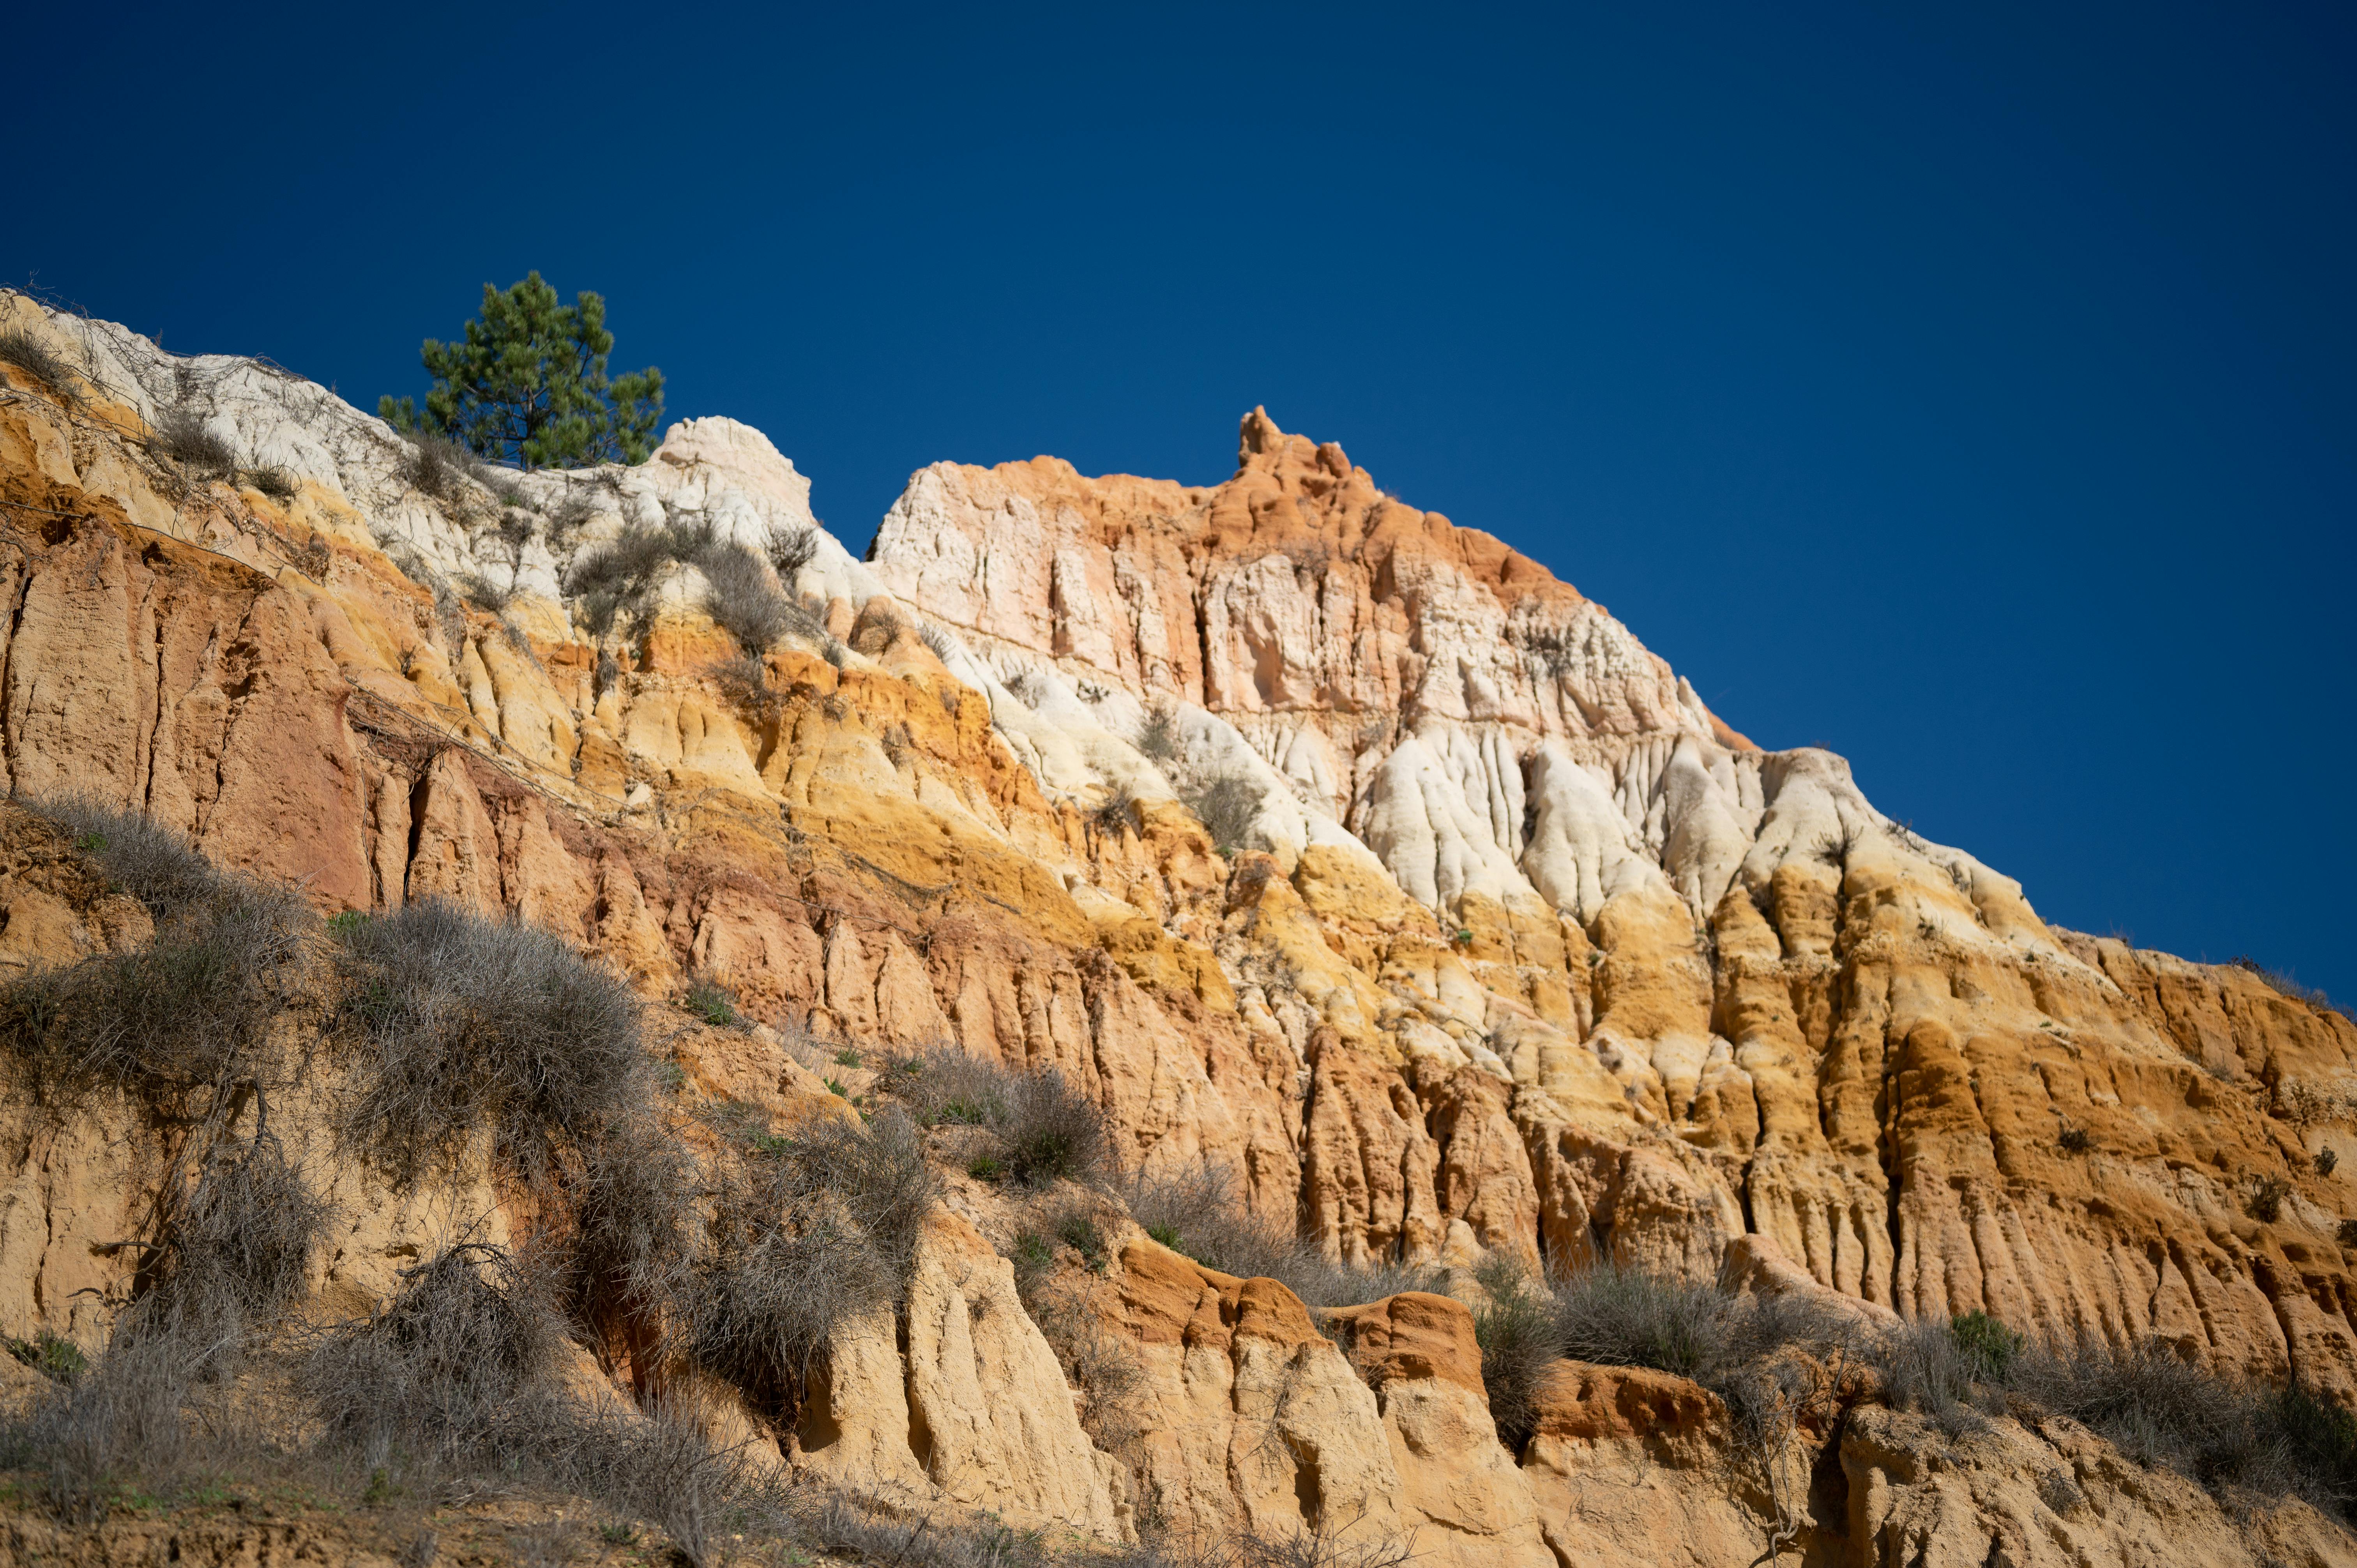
<point x="37" y="361"/>
<point x="440" y="1024"/>
<point x="2159" y="1409"/>
<point x="809" y="1231"/>
<point x="1227" y="805"/>
<point x="459" y="1021"/>
<point x="181" y="434"/>
<point x="741" y="595"/>
<point x="1045" y="1130"/>
<point x="1201" y="1214"/>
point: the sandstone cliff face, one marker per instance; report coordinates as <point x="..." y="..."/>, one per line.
<point x="1714" y="990"/>
<point x="1522" y="950"/>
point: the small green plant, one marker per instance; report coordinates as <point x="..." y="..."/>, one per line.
<point x="673" y="1076"/>
<point x="350" y="920"/>
<point x="1044" y="1152"/>
<point x="1988" y="1347"/>
<point x="1167" y="1235"/>
<point x="1034" y="1260"/>
<point x="846" y="1058"/>
<point x="1464" y="936"/>
<point x="2266" y="1200"/>
<point x="57" y="1359"/>
<point x="834" y="1086"/>
<point x="91" y="843"/>
<point x="1078" y="1229"/>
<point x="986" y="1167"/>
<point x="710" y="1001"/>
<point x="381" y="1490"/>
<point x="962" y="1114"/>
<point x="617" y="1533"/>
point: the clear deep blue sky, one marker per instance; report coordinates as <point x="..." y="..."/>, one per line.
<point x="1966" y="389"/>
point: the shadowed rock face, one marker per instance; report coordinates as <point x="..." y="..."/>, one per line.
<point x="1518" y="948"/>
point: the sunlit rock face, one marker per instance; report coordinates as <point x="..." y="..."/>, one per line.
<point x="1501" y="942"/>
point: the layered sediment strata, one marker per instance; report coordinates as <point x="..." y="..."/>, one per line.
<point x="1517" y="948"/>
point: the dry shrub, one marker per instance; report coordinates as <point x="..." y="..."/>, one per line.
<point x="628" y="1189"/>
<point x="1735" y="1345"/>
<point x="1326" y="1543"/>
<point x="1118" y="812"/>
<point x="627" y="566"/>
<point x="189" y="1026"/>
<point x="447" y="1370"/>
<point x="745" y="681"/>
<point x="1227" y="805"/>
<point x="181" y="434"/>
<point x="174" y="1022"/>
<point x="1618" y="1317"/>
<point x="1200" y="1214"/>
<point x="807" y="1232"/>
<point x="846" y="1526"/>
<point x="1925" y="1369"/>
<point x="1099" y="1360"/>
<point x="124" y="1420"/>
<point x="1160" y="738"/>
<point x="2155" y="1407"/>
<point x="1045" y="1130"/>
<point x="482" y="593"/>
<point x="236" y="1248"/>
<point x="743" y="600"/>
<point x="943" y="645"/>
<point x="153" y="864"/>
<point x="1516" y="1332"/>
<point x="789" y="553"/>
<point x="181" y="1022"/>
<point x="455" y="1379"/>
<point x="277" y="483"/>
<point x="843" y="1527"/>
<point x="742" y="595"/>
<point x="2286" y="985"/>
<point x="457" y="1020"/>
<point x="578" y="504"/>
<point x="2165" y="1413"/>
<point x="441" y="467"/>
<point x="39" y="361"/>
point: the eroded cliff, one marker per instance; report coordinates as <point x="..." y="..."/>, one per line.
<point x="1317" y="838"/>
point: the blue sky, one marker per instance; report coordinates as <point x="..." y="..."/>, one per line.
<point x="1966" y="389"/>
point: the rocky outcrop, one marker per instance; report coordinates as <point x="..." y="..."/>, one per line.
<point x="972" y="1409"/>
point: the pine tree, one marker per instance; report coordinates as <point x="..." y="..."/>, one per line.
<point x="528" y="386"/>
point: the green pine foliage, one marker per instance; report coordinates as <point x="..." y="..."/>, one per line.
<point x="528" y="386"/>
